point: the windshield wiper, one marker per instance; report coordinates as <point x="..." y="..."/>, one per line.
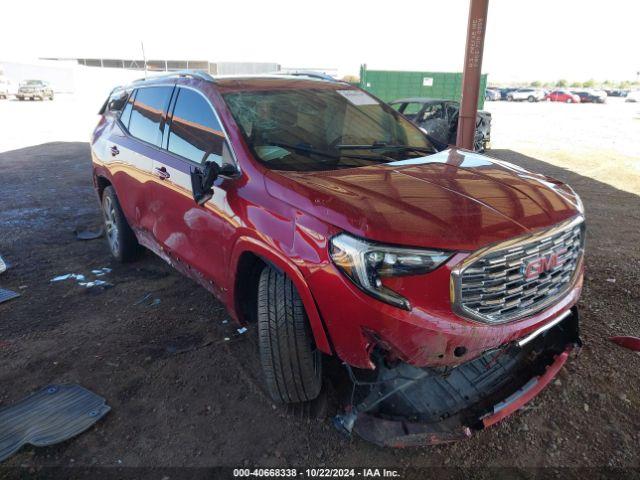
<point x="384" y="146"/>
<point x="310" y="150"/>
<point x="304" y="149"/>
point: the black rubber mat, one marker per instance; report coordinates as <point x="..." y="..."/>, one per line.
<point x="52" y="415"/>
<point x="6" y="295"/>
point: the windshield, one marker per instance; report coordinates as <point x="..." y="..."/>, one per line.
<point x="324" y="129"/>
<point x="33" y="82"/>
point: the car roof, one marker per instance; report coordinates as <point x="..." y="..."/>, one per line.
<point x="231" y="83"/>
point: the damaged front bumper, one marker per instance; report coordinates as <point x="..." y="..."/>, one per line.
<point x="406" y="406"/>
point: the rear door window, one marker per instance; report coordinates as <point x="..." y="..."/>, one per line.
<point x="147" y="113"/>
<point x="195" y="132"/>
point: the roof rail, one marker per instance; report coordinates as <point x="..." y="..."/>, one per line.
<point x="316" y="75"/>
<point x="198" y="74"/>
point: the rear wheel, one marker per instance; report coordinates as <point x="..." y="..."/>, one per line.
<point x="569" y="100"/>
<point x="531" y="98"/>
<point x="122" y="241"/>
<point x="291" y="362"/>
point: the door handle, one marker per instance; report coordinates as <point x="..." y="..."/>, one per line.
<point x="114" y="151"/>
<point x="161" y="173"/>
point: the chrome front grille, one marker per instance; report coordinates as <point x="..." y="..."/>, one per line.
<point x="518" y="277"/>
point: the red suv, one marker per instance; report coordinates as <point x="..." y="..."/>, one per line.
<point x="314" y="210"/>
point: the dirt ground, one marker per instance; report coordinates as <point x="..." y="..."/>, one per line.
<point x="183" y="395"/>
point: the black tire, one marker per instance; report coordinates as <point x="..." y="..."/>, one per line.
<point x="291" y="362"/>
<point x="121" y="240"/>
<point x="509" y="98"/>
<point x="531" y="98"/>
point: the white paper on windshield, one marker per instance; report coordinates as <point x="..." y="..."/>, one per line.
<point x="357" y="97"/>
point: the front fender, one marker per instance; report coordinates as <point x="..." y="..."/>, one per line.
<point x="281" y="262"/>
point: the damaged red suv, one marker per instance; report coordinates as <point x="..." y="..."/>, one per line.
<point x="445" y="281"/>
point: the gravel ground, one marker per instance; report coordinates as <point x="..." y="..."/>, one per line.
<point x="183" y="395"/>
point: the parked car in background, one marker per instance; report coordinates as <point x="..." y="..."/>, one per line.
<point x="589" y="96"/>
<point x="4" y="88"/>
<point x="504" y="92"/>
<point x="528" y="94"/>
<point x="492" y="94"/>
<point x="616" y="93"/>
<point x="439" y="119"/>
<point x="562" y="96"/>
<point x="34" y="90"/>
<point x="633" y="96"/>
<point x="328" y="222"/>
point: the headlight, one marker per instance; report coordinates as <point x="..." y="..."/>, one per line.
<point x="367" y="263"/>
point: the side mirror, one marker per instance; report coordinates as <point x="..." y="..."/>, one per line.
<point x="202" y="182"/>
<point x="203" y="178"/>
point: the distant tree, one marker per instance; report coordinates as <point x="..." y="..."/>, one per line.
<point x="561" y="83"/>
<point x="536" y="83"/>
<point x="351" y="79"/>
<point x="589" y="83"/>
<point x="607" y="83"/>
<point x="576" y="84"/>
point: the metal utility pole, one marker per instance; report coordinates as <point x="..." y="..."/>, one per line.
<point x="471" y="73"/>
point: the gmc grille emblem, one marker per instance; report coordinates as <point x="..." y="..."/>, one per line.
<point x="534" y="267"/>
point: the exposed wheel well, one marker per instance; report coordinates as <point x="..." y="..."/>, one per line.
<point x="246" y="291"/>
<point x="101" y="184"/>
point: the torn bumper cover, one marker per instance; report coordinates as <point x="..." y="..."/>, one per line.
<point x="409" y="406"/>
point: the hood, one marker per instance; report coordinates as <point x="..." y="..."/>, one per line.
<point x="454" y="199"/>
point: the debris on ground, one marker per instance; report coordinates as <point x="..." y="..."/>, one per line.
<point x="242" y="330"/>
<point x="96" y="283"/>
<point x="101" y="271"/>
<point x="49" y="416"/>
<point x="88" y="233"/>
<point x="6" y="295"/>
<point x="83" y="281"/>
<point x="76" y="276"/>
<point x="147" y="301"/>
<point x="632" y="343"/>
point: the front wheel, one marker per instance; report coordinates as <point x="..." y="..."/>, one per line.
<point x="531" y="98"/>
<point x="291" y="362"/>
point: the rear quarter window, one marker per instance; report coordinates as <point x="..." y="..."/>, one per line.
<point x="125" y="115"/>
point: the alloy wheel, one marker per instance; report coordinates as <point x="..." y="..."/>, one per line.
<point x="111" y="226"/>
